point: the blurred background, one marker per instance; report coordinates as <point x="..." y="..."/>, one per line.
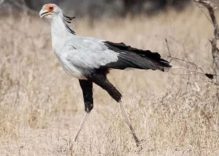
<point x="175" y="113"/>
<point x="103" y="8"/>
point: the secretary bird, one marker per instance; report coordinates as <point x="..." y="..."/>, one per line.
<point x="89" y="59"/>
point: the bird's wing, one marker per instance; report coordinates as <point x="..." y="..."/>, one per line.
<point x="88" y="54"/>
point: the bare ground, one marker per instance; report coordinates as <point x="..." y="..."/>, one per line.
<point x="174" y="113"/>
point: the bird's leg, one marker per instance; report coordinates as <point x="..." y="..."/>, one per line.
<point x="126" y="118"/>
<point x="81" y="125"/>
<point x="104" y="83"/>
<point x="87" y="90"/>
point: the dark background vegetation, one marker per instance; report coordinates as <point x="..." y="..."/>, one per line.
<point x="100" y="8"/>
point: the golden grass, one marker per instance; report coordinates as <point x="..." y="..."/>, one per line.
<point x="175" y="113"/>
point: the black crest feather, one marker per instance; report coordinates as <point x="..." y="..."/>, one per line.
<point x="68" y="19"/>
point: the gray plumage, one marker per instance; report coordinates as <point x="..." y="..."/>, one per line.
<point x="89" y="59"/>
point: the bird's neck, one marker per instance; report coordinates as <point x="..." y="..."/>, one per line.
<point x="60" y="33"/>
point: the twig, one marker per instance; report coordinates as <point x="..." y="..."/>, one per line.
<point x="215" y="51"/>
<point x="198" y="70"/>
<point x="211" y="7"/>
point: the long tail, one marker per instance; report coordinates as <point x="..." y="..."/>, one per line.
<point x="130" y="57"/>
<point x="135" y="60"/>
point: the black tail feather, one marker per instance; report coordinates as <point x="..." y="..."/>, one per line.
<point x="130" y="57"/>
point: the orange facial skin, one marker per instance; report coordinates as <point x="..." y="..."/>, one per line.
<point x="49" y="7"/>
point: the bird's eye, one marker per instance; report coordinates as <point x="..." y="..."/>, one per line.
<point x="51" y="8"/>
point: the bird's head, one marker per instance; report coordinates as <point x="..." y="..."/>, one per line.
<point x="49" y="11"/>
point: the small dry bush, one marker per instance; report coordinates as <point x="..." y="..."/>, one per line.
<point x="174" y="113"/>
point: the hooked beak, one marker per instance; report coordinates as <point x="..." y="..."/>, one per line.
<point x="44" y="13"/>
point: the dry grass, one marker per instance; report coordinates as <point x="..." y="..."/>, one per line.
<point x="175" y="113"/>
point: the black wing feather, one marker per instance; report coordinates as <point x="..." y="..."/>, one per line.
<point x="130" y="57"/>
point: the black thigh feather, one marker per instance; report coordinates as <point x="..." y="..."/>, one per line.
<point x="87" y="90"/>
<point x="102" y="81"/>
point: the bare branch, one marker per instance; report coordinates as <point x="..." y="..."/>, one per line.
<point x="211" y="7"/>
<point x="215" y="51"/>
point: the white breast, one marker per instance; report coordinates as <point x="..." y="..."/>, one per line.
<point x="59" y="37"/>
<point x="70" y="68"/>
